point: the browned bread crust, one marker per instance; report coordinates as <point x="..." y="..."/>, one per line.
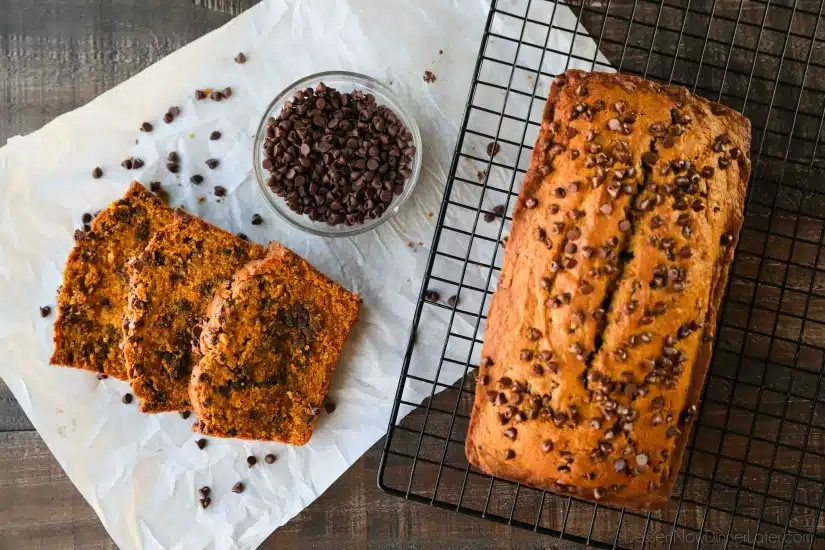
<point x="599" y="335"/>
<point x="171" y="283"/>
<point x="92" y="298"/>
<point x="270" y="345"/>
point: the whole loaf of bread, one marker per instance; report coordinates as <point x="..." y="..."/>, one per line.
<point x="600" y="332"/>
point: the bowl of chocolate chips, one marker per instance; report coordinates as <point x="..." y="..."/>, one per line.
<point x="337" y="154"/>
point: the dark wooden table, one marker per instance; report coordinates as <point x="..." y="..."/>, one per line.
<point x="56" y="55"/>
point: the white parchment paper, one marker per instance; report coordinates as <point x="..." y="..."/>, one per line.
<point x="141" y="473"/>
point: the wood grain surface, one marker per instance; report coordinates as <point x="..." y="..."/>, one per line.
<point x="56" y="55"/>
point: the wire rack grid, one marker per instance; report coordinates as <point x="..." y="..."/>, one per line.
<point x="754" y="472"/>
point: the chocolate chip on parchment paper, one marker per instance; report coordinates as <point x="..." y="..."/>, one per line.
<point x="102" y="376"/>
<point x="270" y="458"/>
<point x="155" y="187"/>
<point x="251" y="461"/>
<point x="238" y="487"/>
<point x="493" y="149"/>
<point x="86" y="217"/>
<point x="212" y="163"/>
<point x="243" y="236"/>
<point x="127" y="398"/>
<point x="197" y="179"/>
<point x="432" y="296"/>
<point x="240" y="59"/>
<point x="200" y="94"/>
<point x="429" y="77"/>
<point x="201" y="443"/>
<point x="205" y="502"/>
<point x="146" y="127"/>
<point x="45" y="311"/>
<point x="220" y="191"/>
<point x="97" y="173"/>
<point x="452" y="301"/>
<point x="329" y="406"/>
<point x="215" y="135"/>
<point x="338" y="158"/>
<point x="168" y="118"/>
<point x="257" y="219"/>
<point x="204" y="491"/>
<point x="137" y="163"/>
<point x="185" y="414"/>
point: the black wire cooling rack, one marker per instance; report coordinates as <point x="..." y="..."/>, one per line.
<point x="754" y="473"/>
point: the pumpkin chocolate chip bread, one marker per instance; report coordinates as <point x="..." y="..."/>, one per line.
<point x="92" y="298"/>
<point x="271" y="342"/>
<point x="171" y="283"/>
<point x="600" y="332"/>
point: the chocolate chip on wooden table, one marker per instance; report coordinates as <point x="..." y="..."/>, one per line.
<point x="45" y="311"/>
<point x="338" y="158"/>
<point x="97" y="173"/>
<point x="127" y="398"/>
<point x="214" y="136"/>
<point x="86" y="217"/>
<point x="240" y="59"/>
<point x="251" y="461"/>
<point x="201" y="443"/>
<point x="257" y="219"/>
<point x="270" y="458"/>
<point x="329" y="406"/>
<point x="238" y="487"/>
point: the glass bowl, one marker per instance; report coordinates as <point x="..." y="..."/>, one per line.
<point x="344" y="82"/>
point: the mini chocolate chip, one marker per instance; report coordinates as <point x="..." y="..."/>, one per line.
<point x="185" y="414"/>
<point x="238" y="487"/>
<point x="173" y="167"/>
<point x="215" y="135"/>
<point x="127" y="398"/>
<point x="168" y="118"/>
<point x="493" y="149"/>
<point x="146" y="127"/>
<point x="45" y="311"/>
<point x="205" y="502"/>
<point x="240" y="58"/>
<point x="201" y="443"/>
<point x="97" y="173"/>
<point x="452" y="301"/>
<point x="509" y="454"/>
<point x="197" y="179"/>
<point x="270" y="458"/>
<point x="204" y="491"/>
<point x="220" y="191"/>
<point x="212" y="163"/>
<point x="243" y="236"/>
<point x="510" y="433"/>
<point x="526" y="354"/>
<point x="155" y="187"/>
<point x="432" y="296"/>
<point x="251" y="461"/>
<point x="257" y="219"/>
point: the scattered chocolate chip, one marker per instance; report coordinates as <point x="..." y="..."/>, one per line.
<point x="214" y="136"/>
<point x="220" y="191"/>
<point x="432" y="296"/>
<point x="240" y="59"/>
<point x="173" y="167"/>
<point x="212" y="163"/>
<point x="97" y="173"/>
<point x="243" y="236"/>
<point x="727" y="239"/>
<point x="127" y="398"/>
<point x="146" y="127"/>
<point x="251" y="461"/>
<point x="238" y="487"/>
<point x="102" y="376"/>
<point x="200" y="94"/>
<point x="452" y="301"/>
<point x="493" y="149"/>
<point x="257" y="219"/>
<point x="127" y="163"/>
<point x="201" y="443"/>
<point x="168" y="118"/>
<point x="197" y="179"/>
<point x="204" y="491"/>
<point x="136" y="163"/>
<point x="174" y="111"/>
<point x="329" y="406"/>
<point x="155" y="187"/>
<point x="509" y="454"/>
<point x="205" y="501"/>
<point x="45" y="311"/>
<point x="270" y="458"/>
<point x="429" y="77"/>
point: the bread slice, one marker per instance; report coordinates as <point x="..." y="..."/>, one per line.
<point x="271" y="342"/>
<point x="92" y="298"/>
<point x="171" y="283"/>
